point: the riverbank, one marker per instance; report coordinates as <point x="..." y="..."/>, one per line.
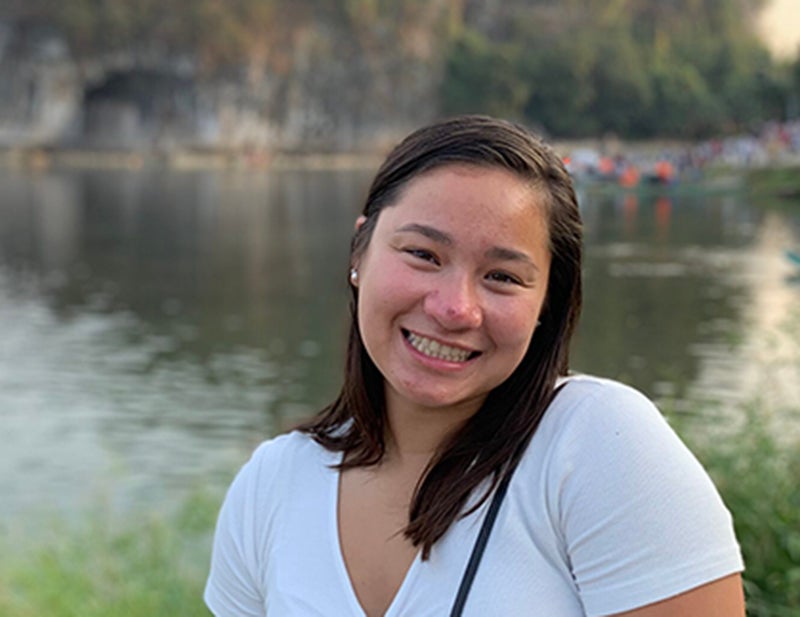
<point x="709" y="158"/>
<point x="39" y="159"/>
<point x="777" y="181"/>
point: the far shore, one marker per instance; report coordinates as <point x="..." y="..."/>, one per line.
<point x="43" y="158"/>
<point x="188" y="159"/>
<point x="46" y="157"/>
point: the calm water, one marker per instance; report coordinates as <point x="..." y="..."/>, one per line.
<point x="157" y="325"/>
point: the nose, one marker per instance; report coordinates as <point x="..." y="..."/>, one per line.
<point x="455" y="303"/>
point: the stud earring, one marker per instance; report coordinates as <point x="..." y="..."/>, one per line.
<point x="353" y="276"/>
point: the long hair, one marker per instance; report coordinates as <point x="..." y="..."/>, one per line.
<point x="489" y="445"/>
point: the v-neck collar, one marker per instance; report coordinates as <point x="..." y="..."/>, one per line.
<point x="345" y="582"/>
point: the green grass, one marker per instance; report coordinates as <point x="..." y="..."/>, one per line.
<point x="775" y="182"/>
<point x="153" y="567"/>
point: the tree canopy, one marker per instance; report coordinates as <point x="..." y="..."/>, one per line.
<point x="637" y="68"/>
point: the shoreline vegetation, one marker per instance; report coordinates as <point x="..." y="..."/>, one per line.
<point x="44" y="157"/>
<point x="778" y="181"/>
<point x="40" y="159"/>
<point x="157" y="565"/>
<point x="777" y="178"/>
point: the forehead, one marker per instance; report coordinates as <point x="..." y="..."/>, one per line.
<point x="481" y="211"/>
<point x="477" y="193"/>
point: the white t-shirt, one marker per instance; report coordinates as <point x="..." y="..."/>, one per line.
<point x="607" y="511"/>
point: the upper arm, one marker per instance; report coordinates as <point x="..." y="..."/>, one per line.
<point x="234" y="586"/>
<point x="721" y="598"/>
<point x="641" y="519"/>
<point x="231" y="588"/>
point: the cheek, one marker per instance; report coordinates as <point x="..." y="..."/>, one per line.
<point x="385" y="280"/>
<point x="511" y="330"/>
<point x="384" y="290"/>
<point x="514" y="327"/>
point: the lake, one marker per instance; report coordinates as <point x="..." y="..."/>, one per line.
<point x="156" y="324"/>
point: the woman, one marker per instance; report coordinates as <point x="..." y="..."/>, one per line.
<point x="465" y="279"/>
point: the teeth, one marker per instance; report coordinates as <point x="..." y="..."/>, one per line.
<point x="434" y="349"/>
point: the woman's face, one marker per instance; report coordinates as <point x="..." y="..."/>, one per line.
<point x="451" y="285"/>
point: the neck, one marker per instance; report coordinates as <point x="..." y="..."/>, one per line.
<point x="415" y="432"/>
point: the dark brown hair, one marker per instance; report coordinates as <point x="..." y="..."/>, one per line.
<point x="491" y="442"/>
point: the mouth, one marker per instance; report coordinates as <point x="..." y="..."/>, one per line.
<point x="440" y="351"/>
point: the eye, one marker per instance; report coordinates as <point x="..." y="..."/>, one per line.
<point x="423" y="255"/>
<point x="503" y="277"/>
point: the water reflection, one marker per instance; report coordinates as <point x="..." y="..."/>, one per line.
<point x="157" y="325"/>
<point x="660" y="278"/>
<point x="761" y="366"/>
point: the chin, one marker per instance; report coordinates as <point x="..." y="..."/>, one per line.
<point x="441" y="401"/>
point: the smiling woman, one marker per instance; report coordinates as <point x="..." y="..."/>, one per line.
<point x="458" y="417"/>
<point x="468" y="276"/>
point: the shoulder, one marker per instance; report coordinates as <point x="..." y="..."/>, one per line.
<point x="637" y="515"/>
<point x="247" y="525"/>
<point x="272" y="451"/>
<point x="251" y="511"/>
<point x="600" y="429"/>
<point x="270" y="471"/>
<point x="612" y="431"/>
<point x="593" y="407"/>
<point x="605" y="394"/>
<point x="277" y="458"/>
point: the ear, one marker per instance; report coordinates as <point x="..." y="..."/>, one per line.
<point x="359" y="222"/>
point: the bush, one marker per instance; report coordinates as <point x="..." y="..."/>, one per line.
<point x="759" y="479"/>
<point x="152" y="568"/>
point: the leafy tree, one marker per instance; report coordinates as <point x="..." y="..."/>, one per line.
<point x="561" y="91"/>
<point x="482" y="77"/>
<point x="683" y="105"/>
<point x="621" y="85"/>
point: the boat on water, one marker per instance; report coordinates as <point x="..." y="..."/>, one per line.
<point x="596" y="172"/>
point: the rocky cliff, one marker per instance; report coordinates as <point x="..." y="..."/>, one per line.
<point x="318" y="85"/>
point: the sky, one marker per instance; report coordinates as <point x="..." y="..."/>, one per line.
<point x="780" y="27"/>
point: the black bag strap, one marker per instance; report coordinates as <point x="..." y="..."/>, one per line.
<point x="480" y="545"/>
<point x="483" y="535"/>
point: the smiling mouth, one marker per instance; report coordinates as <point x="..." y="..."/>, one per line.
<point x="440" y="351"/>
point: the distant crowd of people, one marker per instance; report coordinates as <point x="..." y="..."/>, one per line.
<point x="774" y="143"/>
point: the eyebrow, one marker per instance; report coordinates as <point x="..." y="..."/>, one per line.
<point x="429" y="232"/>
<point x="506" y="254"/>
<point x="496" y="252"/>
